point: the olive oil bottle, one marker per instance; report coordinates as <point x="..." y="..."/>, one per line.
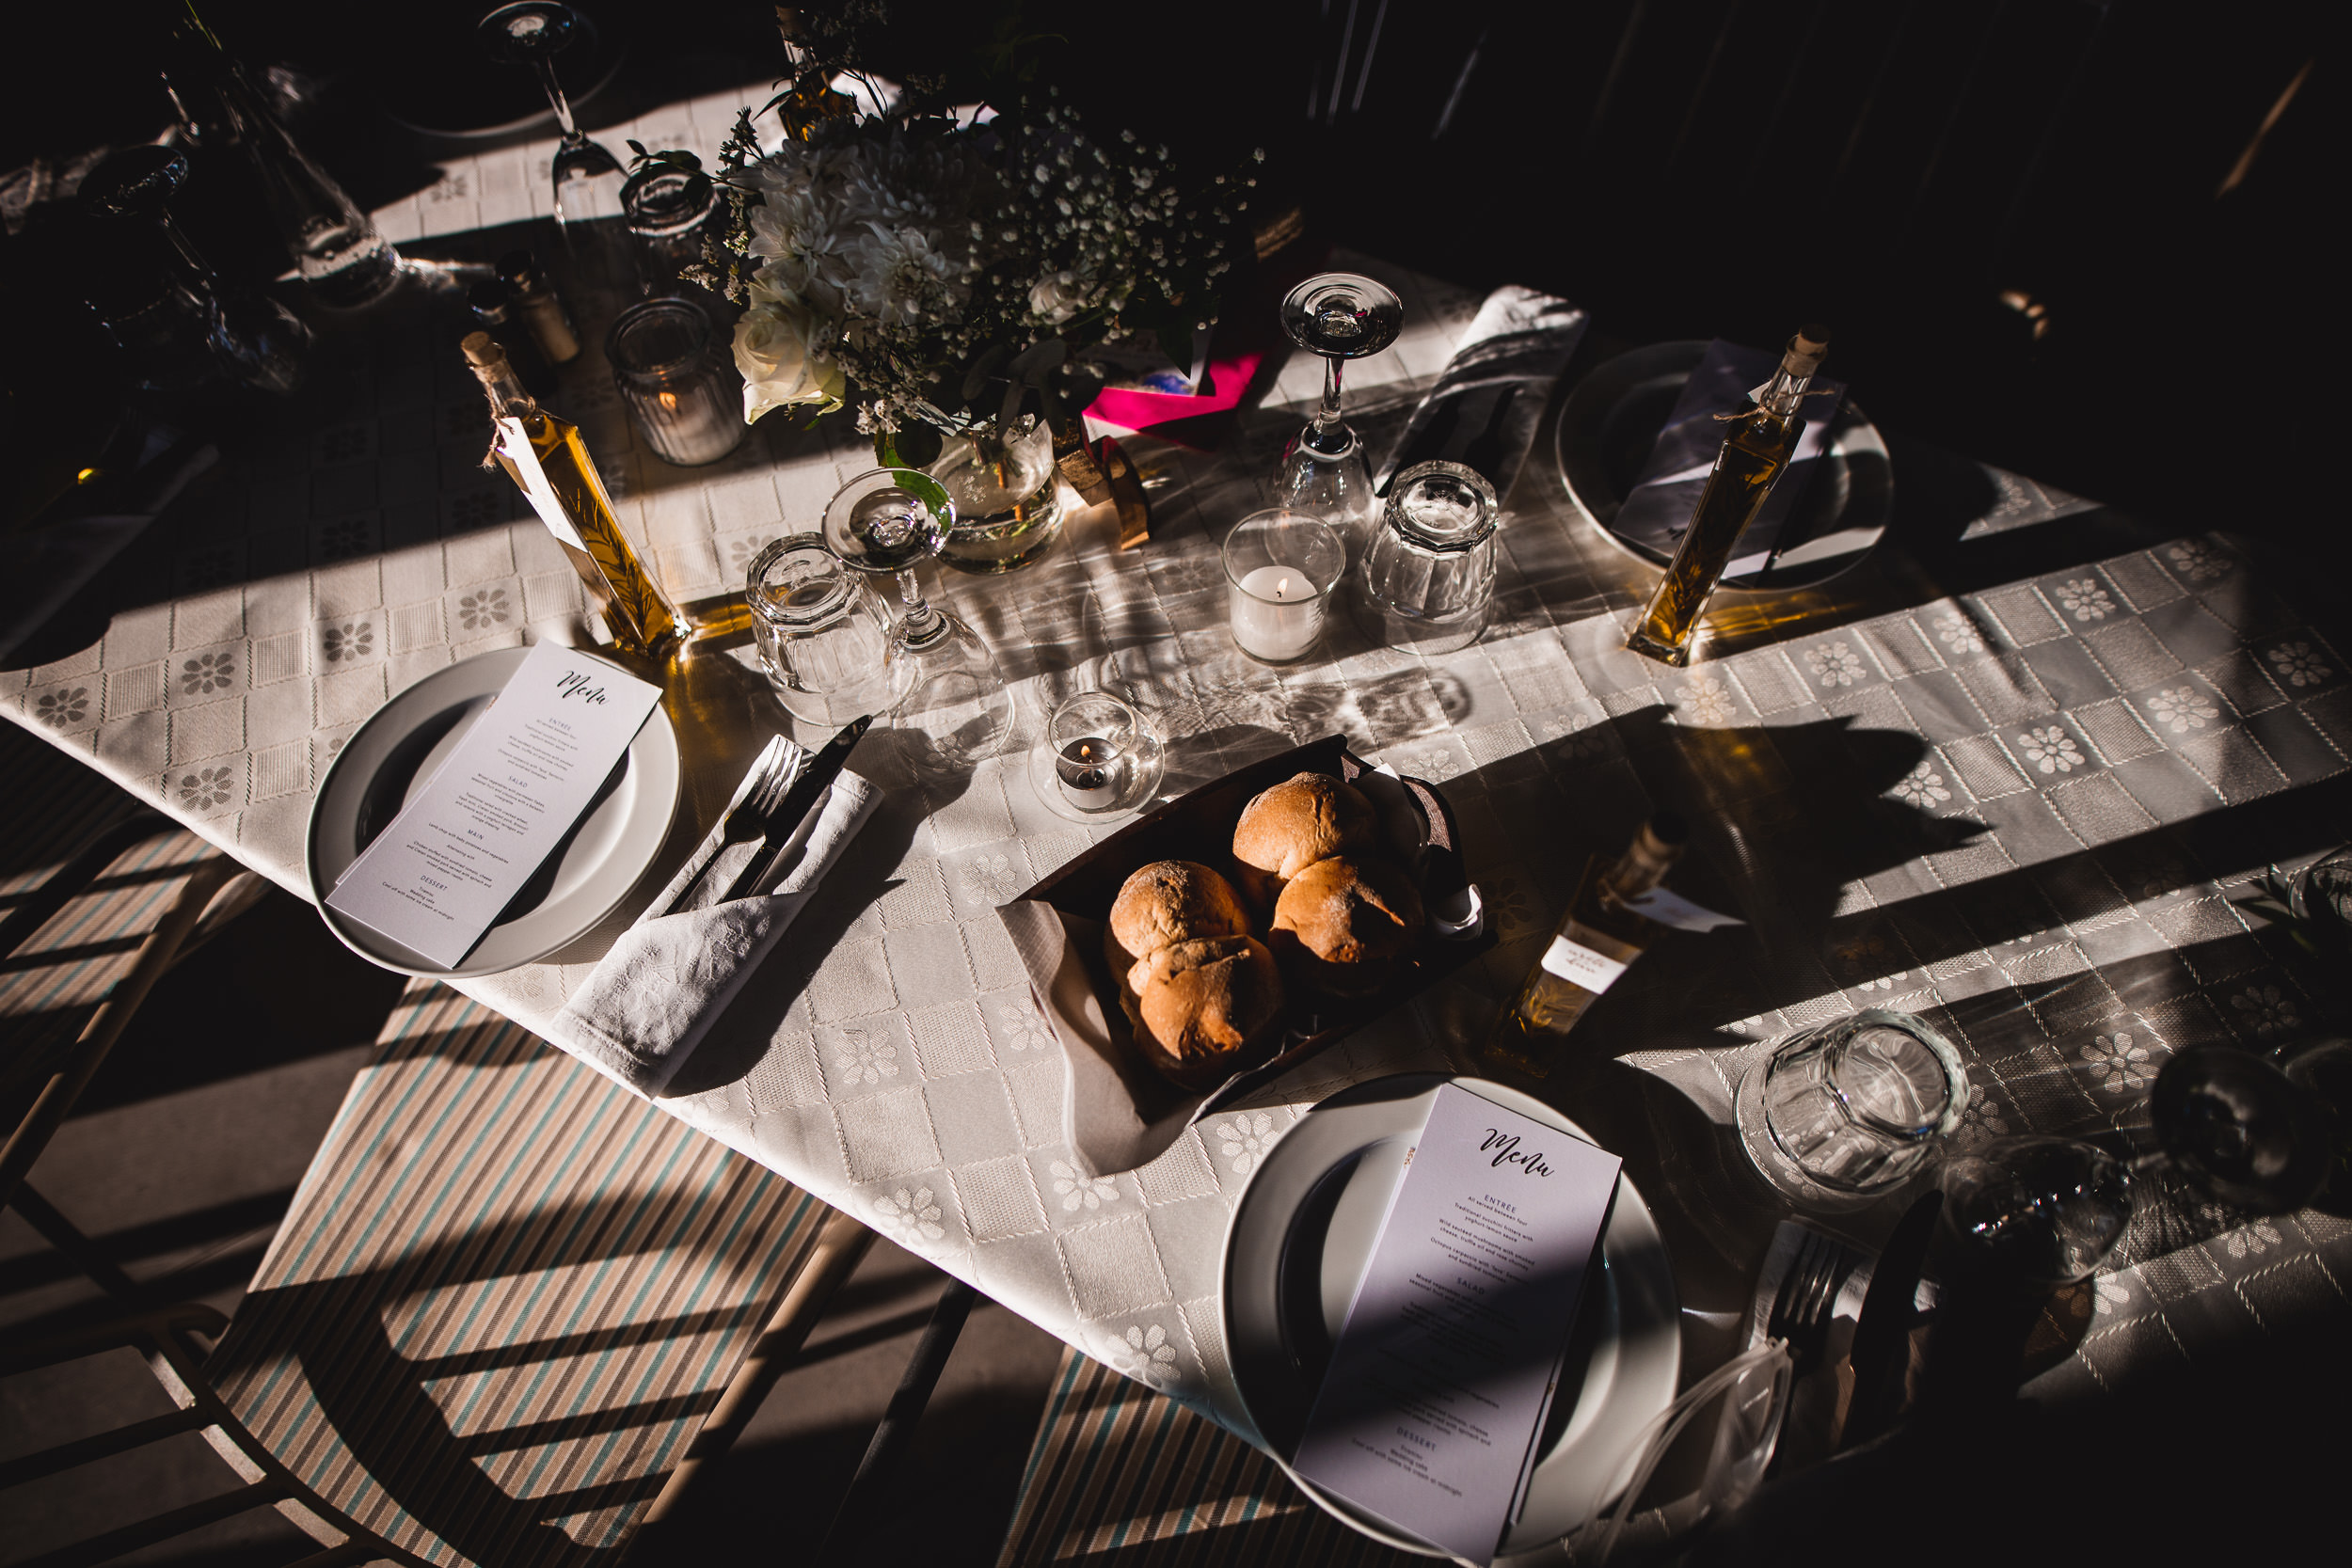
<point x="1598" y="940"/>
<point x="1756" y="449"/>
<point x="544" y="457"/>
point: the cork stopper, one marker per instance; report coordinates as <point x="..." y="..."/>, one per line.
<point x="485" y="354"/>
<point x="1806" y="350"/>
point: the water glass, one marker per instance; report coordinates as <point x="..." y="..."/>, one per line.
<point x="1428" y="575"/>
<point x="2042" y="1210"/>
<point x="667" y="220"/>
<point x="822" y="633"/>
<point x="687" y="407"/>
<point x="1842" y="1113"/>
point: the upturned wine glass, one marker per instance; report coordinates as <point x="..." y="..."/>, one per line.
<point x="956" y="707"/>
<point x="587" y="177"/>
<point x="1340" y="316"/>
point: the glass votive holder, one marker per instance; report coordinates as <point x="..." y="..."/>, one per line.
<point x="1427" y="580"/>
<point x="824" y="636"/>
<point x="1839" y="1115"/>
<point x="1099" y="758"/>
<point x="667" y="219"/>
<point x="1280" y="567"/>
<point x="687" y="407"/>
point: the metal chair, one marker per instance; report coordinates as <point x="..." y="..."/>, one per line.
<point x="513" y="1312"/>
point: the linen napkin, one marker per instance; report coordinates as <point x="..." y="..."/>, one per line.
<point x="1483" y="410"/>
<point x="1657" y="511"/>
<point x="670" y="976"/>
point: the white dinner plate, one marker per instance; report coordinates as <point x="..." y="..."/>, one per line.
<point x="1302" y="1235"/>
<point x="398" y="749"/>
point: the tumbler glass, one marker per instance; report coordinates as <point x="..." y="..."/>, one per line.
<point x="822" y="633"/>
<point x="1842" y="1113"/>
<point x="667" y="220"/>
<point x="687" y="407"/>
<point x="1428" y="576"/>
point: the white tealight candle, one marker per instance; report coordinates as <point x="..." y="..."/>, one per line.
<point x="1089" y="770"/>
<point x="1278" y="613"/>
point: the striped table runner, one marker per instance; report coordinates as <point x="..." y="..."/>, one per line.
<point x="506" y="1295"/>
<point x="1121" y="1474"/>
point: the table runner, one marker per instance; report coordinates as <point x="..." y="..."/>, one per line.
<point x="2095" y="720"/>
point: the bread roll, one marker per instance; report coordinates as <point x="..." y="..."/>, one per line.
<point x="1207" y="1008"/>
<point x="1170" y="901"/>
<point x="1304" y="819"/>
<point x="1343" y="923"/>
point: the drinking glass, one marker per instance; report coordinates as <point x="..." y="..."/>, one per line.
<point x="688" y="406"/>
<point x="2044" y="1211"/>
<point x="955" y="709"/>
<point x="2240" y="1129"/>
<point x="1840" y="1114"/>
<point x="1340" y="316"/>
<point x="1428" y="575"/>
<point x="666" y="225"/>
<point x="185" y="313"/>
<point x="587" y="179"/>
<point x="822" y="634"/>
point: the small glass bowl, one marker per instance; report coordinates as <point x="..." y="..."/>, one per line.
<point x="1099" y="759"/>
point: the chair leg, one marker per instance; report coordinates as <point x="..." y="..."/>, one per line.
<point x="105" y="1026"/>
<point x="854" y="1522"/>
<point x="839" y="1247"/>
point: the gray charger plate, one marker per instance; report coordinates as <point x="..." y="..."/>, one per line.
<point x="1612" y="419"/>
<point x="1299" y="1240"/>
<point x="401" y="747"/>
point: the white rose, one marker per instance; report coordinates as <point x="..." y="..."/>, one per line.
<point x="1057" y="296"/>
<point x="780" y="369"/>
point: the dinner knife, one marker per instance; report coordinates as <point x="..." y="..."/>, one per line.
<point x="1881" y="1353"/>
<point x="806" y="791"/>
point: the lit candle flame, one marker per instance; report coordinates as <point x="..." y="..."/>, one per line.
<point x="1282" y="589"/>
<point x="667" y="400"/>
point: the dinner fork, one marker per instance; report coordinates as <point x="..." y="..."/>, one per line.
<point x="772" y="774"/>
<point x="1800" y="1308"/>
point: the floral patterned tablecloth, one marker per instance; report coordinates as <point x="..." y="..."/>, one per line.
<point x="2022" y="811"/>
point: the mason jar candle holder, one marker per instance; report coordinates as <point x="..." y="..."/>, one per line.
<point x="687" y="407"/>
<point x="1280" y="567"/>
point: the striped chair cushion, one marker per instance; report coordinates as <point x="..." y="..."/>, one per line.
<point x="506" y="1295"/>
<point x="1122" y="1475"/>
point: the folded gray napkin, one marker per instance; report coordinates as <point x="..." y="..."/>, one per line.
<point x="657" y="993"/>
<point x="1483" y="410"/>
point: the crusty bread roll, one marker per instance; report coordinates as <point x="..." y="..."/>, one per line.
<point x="1341" y="923"/>
<point x="1170" y="901"/>
<point x="1306" y="818"/>
<point x="1207" y="1008"/>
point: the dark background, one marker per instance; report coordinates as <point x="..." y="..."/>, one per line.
<point x="1684" y="168"/>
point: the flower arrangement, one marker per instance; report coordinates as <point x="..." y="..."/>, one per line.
<point x="944" y="271"/>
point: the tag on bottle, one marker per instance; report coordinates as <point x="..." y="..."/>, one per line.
<point x="1580" y="965"/>
<point x="1671" y="909"/>
<point x="515" y="446"/>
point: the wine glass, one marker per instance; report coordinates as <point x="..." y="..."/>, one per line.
<point x="588" y="179"/>
<point x="1340" y="316"/>
<point x="955" y="707"/>
<point x="2042" y="1210"/>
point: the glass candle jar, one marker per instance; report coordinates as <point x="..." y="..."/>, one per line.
<point x="689" y="408"/>
<point x="822" y="634"/>
<point x="666" y="225"/>
<point x="1280" y="567"/>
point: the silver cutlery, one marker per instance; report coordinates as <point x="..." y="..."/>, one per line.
<point x="784" y="820"/>
<point x="771" y="776"/>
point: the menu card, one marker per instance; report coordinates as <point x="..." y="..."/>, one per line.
<point x="1451" y="1354"/>
<point x="1657" y="511"/>
<point x="454" y="858"/>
